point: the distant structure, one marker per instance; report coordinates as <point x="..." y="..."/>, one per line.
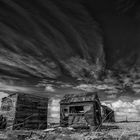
<point x="25" y="111"/>
<point x="80" y="110"/>
<point x="107" y="114"/>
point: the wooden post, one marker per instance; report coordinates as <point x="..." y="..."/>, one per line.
<point x="93" y="124"/>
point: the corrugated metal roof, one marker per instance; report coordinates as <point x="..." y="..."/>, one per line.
<point x="83" y="97"/>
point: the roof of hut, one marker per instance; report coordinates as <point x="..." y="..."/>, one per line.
<point x="75" y="98"/>
<point x="106" y="107"/>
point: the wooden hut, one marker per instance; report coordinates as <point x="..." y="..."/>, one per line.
<point x="107" y="114"/>
<point x="25" y="111"/>
<point x="80" y="110"/>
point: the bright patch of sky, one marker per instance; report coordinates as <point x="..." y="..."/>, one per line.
<point x="123" y="110"/>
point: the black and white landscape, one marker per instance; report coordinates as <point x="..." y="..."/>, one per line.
<point x="55" y="47"/>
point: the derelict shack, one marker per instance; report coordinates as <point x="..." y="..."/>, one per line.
<point x="25" y="111"/>
<point x="80" y="110"/>
<point x="107" y="114"/>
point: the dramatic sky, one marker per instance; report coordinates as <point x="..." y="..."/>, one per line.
<point x="54" y="47"/>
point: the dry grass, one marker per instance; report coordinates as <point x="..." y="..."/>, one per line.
<point x="116" y="131"/>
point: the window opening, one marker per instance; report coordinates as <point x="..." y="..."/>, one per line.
<point x="77" y="109"/>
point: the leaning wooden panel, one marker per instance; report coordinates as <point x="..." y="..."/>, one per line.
<point x="107" y="114"/>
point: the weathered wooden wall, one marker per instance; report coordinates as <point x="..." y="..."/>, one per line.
<point x="27" y="112"/>
<point x="88" y="117"/>
<point x="31" y="112"/>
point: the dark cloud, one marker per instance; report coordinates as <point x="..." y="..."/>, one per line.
<point x="55" y="47"/>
